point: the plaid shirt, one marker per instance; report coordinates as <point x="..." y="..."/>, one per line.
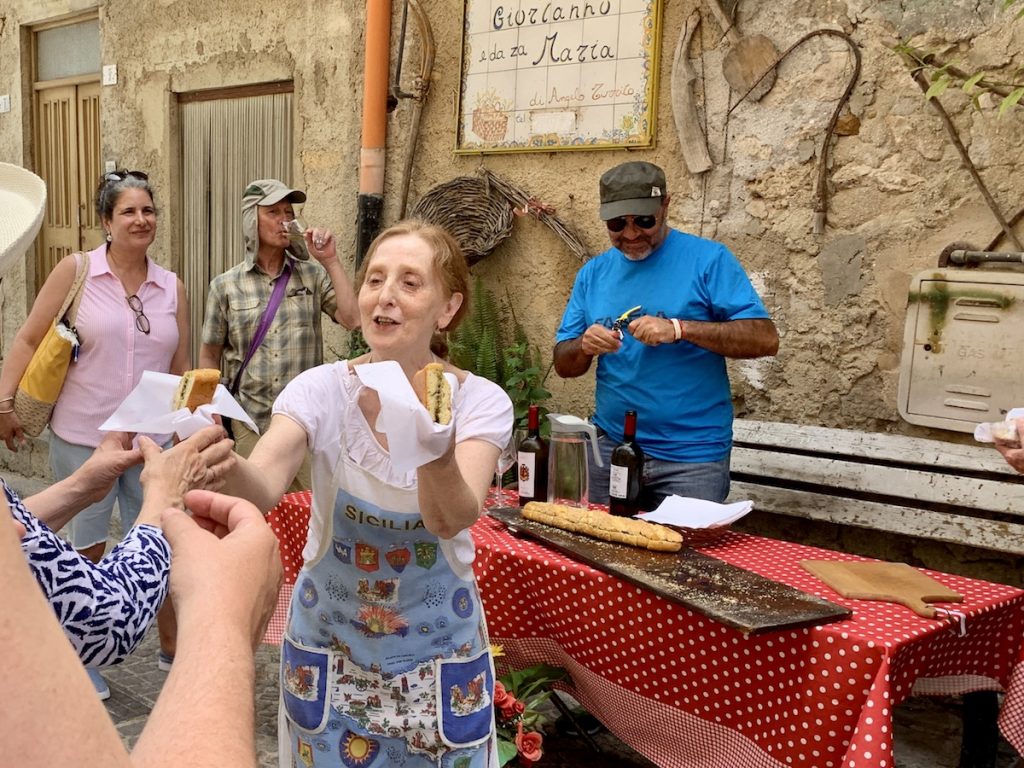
<point x="294" y="341"/>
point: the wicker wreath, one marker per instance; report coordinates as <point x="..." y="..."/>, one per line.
<point x="476" y="214"/>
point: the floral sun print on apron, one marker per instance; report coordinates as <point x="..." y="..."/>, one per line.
<point x="385" y="661"/>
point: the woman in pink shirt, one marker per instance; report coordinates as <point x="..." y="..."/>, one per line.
<point x="133" y="318"/>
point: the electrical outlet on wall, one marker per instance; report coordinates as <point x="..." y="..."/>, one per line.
<point x="110" y="74"/>
<point x="5" y="103"/>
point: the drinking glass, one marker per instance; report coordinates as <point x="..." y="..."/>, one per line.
<point x="506" y="459"/>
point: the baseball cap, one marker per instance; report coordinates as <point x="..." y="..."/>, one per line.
<point x="632" y="189"/>
<point x="270" y="191"/>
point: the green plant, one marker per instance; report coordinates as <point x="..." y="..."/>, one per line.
<point x="942" y="75"/>
<point x="492" y="343"/>
<point x="518" y="695"/>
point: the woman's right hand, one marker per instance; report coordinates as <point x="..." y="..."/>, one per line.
<point x="11" y="431"/>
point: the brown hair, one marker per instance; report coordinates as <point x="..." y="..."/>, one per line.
<point x="449" y="263"/>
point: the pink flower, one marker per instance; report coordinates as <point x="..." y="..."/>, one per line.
<point x="507" y="705"/>
<point x="528" y="743"/>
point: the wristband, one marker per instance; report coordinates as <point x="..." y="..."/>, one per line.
<point x="4" y="413"/>
<point x="677" y="328"/>
<point x="7" y="399"/>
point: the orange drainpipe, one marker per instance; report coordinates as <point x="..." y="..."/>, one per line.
<point x="375" y="96"/>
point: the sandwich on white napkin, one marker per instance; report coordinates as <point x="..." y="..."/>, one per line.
<point x="685" y="512"/>
<point x="1003" y="430"/>
<point x="414" y="439"/>
<point x="147" y="409"/>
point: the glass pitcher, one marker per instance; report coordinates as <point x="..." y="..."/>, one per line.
<point x="568" y="473"/>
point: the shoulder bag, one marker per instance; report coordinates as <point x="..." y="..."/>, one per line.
<point x="43" y="379"/>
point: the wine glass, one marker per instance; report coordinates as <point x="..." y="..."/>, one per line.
<point x="506" y="459"/>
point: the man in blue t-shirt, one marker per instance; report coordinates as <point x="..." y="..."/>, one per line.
<point x="694" y="307"/>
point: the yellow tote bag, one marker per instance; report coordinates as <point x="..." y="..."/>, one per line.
<point x="43" y="379"/>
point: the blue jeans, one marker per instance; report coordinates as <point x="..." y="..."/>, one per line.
<point x="706" y="480"/>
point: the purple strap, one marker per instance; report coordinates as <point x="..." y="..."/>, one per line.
<point x="280" y="286"/>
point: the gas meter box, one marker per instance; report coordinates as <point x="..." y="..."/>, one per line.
<point x="962" y="347"/>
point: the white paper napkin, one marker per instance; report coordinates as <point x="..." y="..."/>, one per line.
<point x="148" y="409"/>
<point x="413" y="437"/>
<point x="696" y="513"/>
<point x="983" y="432"/>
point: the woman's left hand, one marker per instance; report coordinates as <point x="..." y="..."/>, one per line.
<point x="321" y="243"/>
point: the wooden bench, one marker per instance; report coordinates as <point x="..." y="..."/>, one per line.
<point x="962" y="496"/>
<point x="925" y="489"/>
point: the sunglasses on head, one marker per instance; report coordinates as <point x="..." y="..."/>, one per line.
<point x="640" y="222"/>
<point x="122" y="175"/>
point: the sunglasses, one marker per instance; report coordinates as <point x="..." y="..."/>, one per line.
<point x="122" y="175"/>
<point x="640" y="222"/>
<point x="141" y="321"/>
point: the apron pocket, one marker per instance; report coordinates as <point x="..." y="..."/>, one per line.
<point x="465" y="699"/>
<point x="304" y="678"/>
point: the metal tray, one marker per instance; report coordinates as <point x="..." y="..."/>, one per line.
<point x="730" y="595"/>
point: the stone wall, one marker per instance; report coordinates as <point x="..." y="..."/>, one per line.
<point x="899" y="193"/>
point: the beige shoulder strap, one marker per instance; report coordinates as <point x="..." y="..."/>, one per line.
<point x="74" y="298"/>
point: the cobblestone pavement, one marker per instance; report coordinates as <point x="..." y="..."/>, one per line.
<point x="927" y="730"/>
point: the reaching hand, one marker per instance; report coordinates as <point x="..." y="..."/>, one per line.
<point x="112" y="457"/>
<point x="226" y="568"/>
<point x="1012" y="451"/>
<point x="201" y="461"/>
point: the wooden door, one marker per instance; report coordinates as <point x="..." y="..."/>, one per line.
<point x="68" y="160"/>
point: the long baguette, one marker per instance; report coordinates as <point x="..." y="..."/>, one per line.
<point x="600" y="525"/>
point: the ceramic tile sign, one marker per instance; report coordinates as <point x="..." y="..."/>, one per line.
<point x="541" y="75"/>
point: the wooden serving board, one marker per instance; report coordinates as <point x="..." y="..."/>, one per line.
<point x="732" y="596"/>
<point x="892" y="582"/>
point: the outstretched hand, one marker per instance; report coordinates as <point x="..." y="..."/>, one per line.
<point x="226" y="567"/>
<point x="112" y="457"/>
<point x="1012" y="451"/>
<point x="201" y="461"/>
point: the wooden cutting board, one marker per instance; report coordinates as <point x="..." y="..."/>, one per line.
<point x="892" y="582"/>
<point x="730" y="595"/>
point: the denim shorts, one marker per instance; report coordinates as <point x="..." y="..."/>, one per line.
<point x="91" y="525"/>
<point x="703" y="480"/>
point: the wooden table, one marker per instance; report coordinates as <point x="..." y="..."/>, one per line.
<point x="685" y="690"/>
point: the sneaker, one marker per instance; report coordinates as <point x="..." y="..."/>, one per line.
<point x="164" y="661"/>
<point x="102" y="689"/>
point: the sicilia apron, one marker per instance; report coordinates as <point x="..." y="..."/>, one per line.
<point x="385" y="661"/>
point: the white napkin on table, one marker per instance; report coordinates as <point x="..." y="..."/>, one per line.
<point x="696" y="513"/>
<point x="983" y="433"/>
<point x="413" y="437"/>
<point x="148" y="409"/>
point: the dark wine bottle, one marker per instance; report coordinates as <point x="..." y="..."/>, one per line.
<point x="533" y="461"/>
<point x="626" y="472"/>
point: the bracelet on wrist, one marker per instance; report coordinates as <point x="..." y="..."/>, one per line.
<point x="676" y="328"/>
<point x="9" y="410"/>
<point x="7" y="399"/>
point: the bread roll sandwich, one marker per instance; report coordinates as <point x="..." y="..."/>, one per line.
<point x="601" y="525"/>
<point x="196" y="388"/>
<point x="434" y="392"/>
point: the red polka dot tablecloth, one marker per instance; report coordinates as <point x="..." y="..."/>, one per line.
<point x="684" y="690"/>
